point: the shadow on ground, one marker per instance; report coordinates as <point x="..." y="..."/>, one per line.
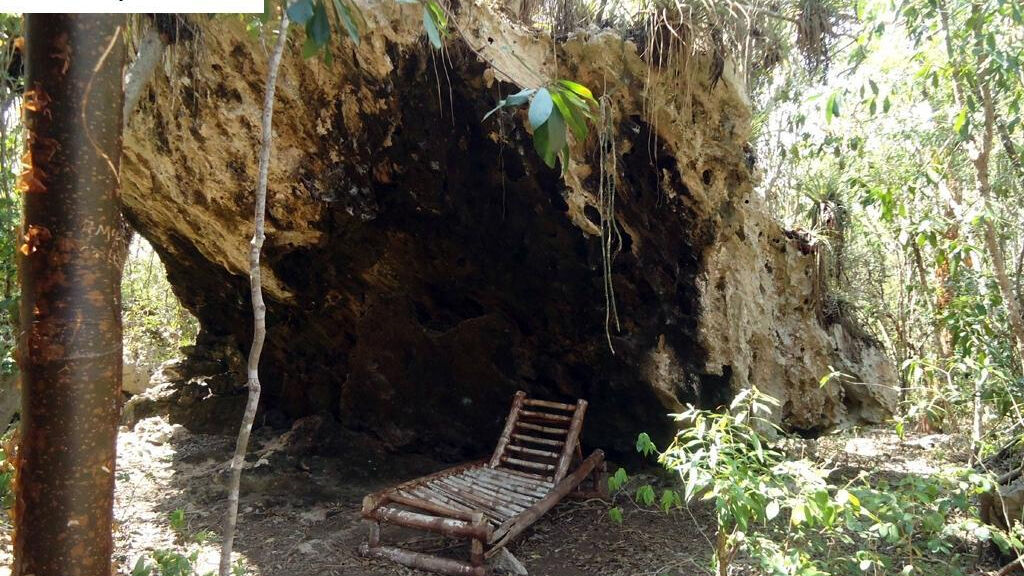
<point x="300" y="501"/>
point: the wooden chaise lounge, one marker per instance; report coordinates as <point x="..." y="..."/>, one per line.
<point x="492" y="501"/>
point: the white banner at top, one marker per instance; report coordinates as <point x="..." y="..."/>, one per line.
<point x="132" y="6"/>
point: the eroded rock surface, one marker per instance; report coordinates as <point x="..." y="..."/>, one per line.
<point x="422" y="265"/>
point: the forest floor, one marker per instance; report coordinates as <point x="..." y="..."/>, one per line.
<point x="299" y="513"/>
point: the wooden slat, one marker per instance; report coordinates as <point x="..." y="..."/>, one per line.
<point x="530" y="493"/>
<point x="510" y="424"/>
<point x="539" y="428"/>
<point x="498" y="495"/>
<point x="529" y="475"/>
<point x="517" y="494"/>
<point x="475" y="501"/>
<point x="433" y="507"/>
<point x="439" y="524"/>
<point x="537" y="440"/>
<point x="531" y="481"/>
<point x="484" y="497"/>
<point x="572" y="441"/>
<point x="533" y="451"/>
<point x="512" y="529"/>
<point x="528" y="464"/>
<point x="548" y="404"/>
<point x="447" y="500"/>
<point x="544" y="416"/>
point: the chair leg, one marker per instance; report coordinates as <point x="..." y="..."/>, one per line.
<point x="476" y="546"/>
<point x="373" y="533"/>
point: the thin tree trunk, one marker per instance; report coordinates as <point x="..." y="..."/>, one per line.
<point x="922" y="278"/>
<point x="995" y="250"/>
<point x="151" y="49"/>
<point x="70" y="346"/>
<point x="980" y="155"/>
<point x="259" y="309"/>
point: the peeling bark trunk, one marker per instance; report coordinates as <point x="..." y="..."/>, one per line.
<point x="70" y="350"/>
<point x="259" y="308"/>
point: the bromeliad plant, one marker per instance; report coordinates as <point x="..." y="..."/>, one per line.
<point x="555" y="110"/>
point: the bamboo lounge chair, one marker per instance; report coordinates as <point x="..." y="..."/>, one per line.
<point x="492" y="501"/>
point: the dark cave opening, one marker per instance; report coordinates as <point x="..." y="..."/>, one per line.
<point x="450" y="275"/>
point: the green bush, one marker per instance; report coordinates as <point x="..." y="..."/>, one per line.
<point x="792" y="518"/>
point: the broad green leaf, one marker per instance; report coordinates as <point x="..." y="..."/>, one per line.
<point x="309" y="47"/>
<point x="540" y="108"/>
<point x="345" y="14"/>
<point x="576" y="124"/>
<point x="556" y="133"/>
<point x="432" y="32"/>
<point x="578" y="88"/>
<point x="318" y="28"/>
<point x="540" y="144"/>
<point x="579" y="104"/>
<point x="300" y="11"/>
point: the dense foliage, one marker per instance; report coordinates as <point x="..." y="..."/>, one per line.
<point x="904" y="172"/>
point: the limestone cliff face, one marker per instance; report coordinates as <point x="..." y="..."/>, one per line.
<point x="422" y="265"/>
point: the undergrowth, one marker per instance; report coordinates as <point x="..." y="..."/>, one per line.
<point x="795" y="517"/>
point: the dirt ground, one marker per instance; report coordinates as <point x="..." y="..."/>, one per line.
<point x="299" y="511"/>
<point x="300" y="508"/>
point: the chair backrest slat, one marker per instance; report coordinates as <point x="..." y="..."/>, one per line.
<point x="532" y="428"/>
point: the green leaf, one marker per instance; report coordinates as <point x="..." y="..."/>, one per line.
<point x="617" y="480"/>
<point x="960" y="123"/>
<point x="521" y="97"/>
<point x="576" y="124"/>
<point x="556" y="133"/>
<point x="578" y="88"/>
<point x="669" y="498"/>
<point x="645" y="495"/>
<point x="516" y="99"/>
<point x="309" y="48"/>
<point x="832" y="107"/>
<point x="540" y="108"/>
<point x="431" y="27"/>
<point x="141" y="567"/>
<point x="798" y="515"/>
<point x="439" y="16"/>
<point x="616" y="515"/>
<point x="540" y="144"/>
<point x="345" y="14"/>
<point x="319" y="28"/>
<point x="300" y="11"/>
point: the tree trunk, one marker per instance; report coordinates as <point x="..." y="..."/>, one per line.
<point x="259" y="309"/>
<point x="70" y="347"/>
<point x="995" y="250"/>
